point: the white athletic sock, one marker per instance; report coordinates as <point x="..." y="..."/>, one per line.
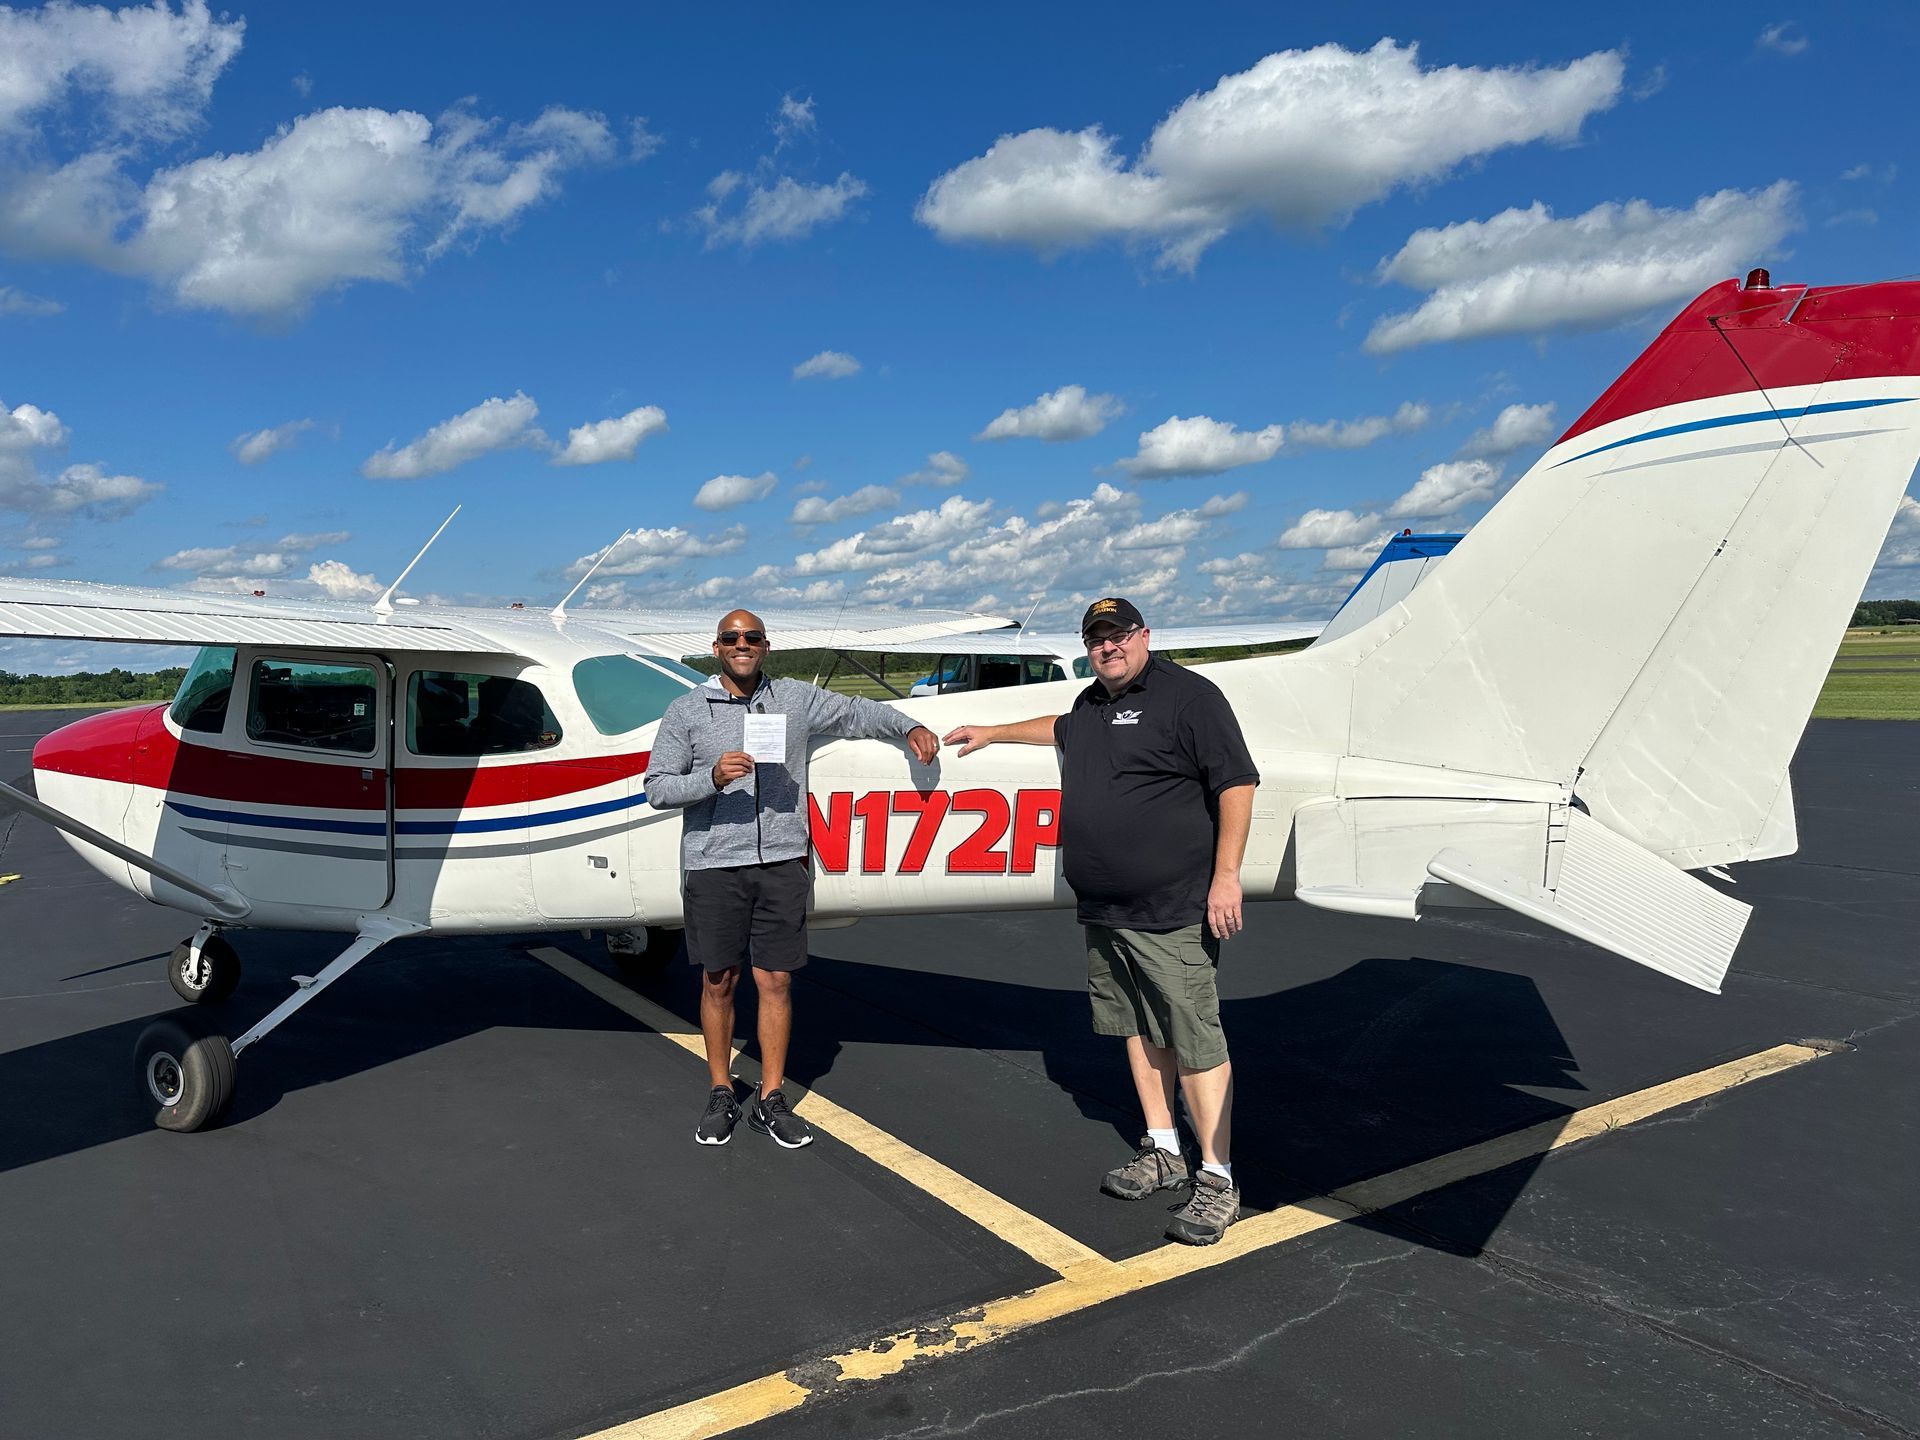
<point x="1167" y="1140"/>
<point x="1225" y="1172"/>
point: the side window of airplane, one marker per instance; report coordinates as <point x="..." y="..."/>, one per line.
<point x="470" y="715"/>
<point x="622" y="692"/>
<point x="1082" y="668"/>
<point x="313" y="704"/>
<point x="204" y="691"/>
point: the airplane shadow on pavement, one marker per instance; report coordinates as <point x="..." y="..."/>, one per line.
<point x="1384" y="1064"/>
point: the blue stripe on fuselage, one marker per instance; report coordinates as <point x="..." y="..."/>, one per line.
<point x="1719" y="421"/>
<point x="479" y="826"/>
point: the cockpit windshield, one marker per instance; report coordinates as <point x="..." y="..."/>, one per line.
<point x="624" y="692"/>
<point x="204" y="691"/>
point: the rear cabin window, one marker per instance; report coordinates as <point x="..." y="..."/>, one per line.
<point x="204" y="691"/>
<point x="623" y="692"/>
<point x="467" y="715"/>
<point x="313" y="705"/>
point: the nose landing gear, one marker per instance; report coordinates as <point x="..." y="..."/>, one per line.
<point x="203" y="969"/>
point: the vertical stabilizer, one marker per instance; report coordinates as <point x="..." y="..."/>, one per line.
<point x="1648" y="614"/>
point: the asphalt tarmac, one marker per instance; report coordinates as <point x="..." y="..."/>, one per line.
<point x="458" y="1194"/>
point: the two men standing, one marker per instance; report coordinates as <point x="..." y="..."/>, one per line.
<point x="1156" y="799"/>
<point x="743" y="849"/>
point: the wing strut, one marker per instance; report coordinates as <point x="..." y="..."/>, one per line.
<point x="229" y="904"/>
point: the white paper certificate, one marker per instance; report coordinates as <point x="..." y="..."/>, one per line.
<point x="766" y="739"/>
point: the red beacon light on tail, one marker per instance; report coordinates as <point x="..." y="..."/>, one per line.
<point x="1759" y="280"/>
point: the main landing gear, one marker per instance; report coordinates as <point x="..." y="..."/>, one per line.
<point x="644" y="951"/>
<point x="184" y="1066"/>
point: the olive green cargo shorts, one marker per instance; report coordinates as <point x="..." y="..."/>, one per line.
<point x="1160" y="986"/>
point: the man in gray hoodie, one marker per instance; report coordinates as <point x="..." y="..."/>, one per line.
<point x="743" y="849"/>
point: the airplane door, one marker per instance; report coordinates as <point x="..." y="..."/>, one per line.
<point x="308" y="819"/>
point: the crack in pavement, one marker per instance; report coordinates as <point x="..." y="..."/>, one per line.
<point x="944" y="1427"/>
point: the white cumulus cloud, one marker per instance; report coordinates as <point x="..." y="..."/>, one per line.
<point x="1444" y="488"/>
<point x="725" y="492"/>
<point x="812" y="510"/>
<point x="1320" y="528"/>
<point x="1517" y="427"/>
<point x="1358" y="434"/>
<point x="614" y="439"/>
<point x="1068" y="413"/>
<point x="943" y="468"/>
<point x="781" y="209"/>
<point x="148" y="71"/>
<point x="343" y="582"/>
<point x="1524" y="272"/>
<point x="493" y="424"/>
<point x="257" y="445"/>
<point x="953" y="520"/>
<point x="827" y="365"/>
<point x="1303" y="138"/>
<point x="1200" y="445"/>
<point x="83" y="490"/>
<point x="336" y="197"/>
<point x="640" y="551"/>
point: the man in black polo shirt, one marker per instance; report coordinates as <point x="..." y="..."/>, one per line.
<point x="1156" y="797"/>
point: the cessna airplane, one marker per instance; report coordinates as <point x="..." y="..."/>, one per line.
<point x="1598" y="691"/>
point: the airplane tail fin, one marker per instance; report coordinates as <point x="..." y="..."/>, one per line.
<point x="1647" y="616"/>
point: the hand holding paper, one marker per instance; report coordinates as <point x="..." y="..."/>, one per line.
<point x="766" y="739"/>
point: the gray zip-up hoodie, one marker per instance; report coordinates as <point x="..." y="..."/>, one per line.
<point x="759" y="818"/>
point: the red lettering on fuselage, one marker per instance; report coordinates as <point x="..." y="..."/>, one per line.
<point x="1006" y="837"/>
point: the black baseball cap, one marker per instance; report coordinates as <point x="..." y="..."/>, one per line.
<point x="1111" y="611"/>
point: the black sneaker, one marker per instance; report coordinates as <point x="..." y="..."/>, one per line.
<point x="723" y="1113"/>
<point x="770" y="1116"/>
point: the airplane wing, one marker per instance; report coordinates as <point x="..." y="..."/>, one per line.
<point x="140" y="615"/>
<point x="1036" y="642"/>
<point x="680" y="633"/>
<point x="77" y="610"/>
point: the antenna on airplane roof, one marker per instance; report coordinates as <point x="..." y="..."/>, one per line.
<point x="559" y="611"/>
<point x="383" y="607"/>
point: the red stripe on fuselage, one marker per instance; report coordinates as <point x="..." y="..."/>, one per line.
<point x="134" y="747"/>
<point x="1843" y="332"/>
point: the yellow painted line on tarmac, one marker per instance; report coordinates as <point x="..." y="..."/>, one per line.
<point x="1055" y="1249"/>
<point x="8" y="879"/>
<point x="756" y="1400"/>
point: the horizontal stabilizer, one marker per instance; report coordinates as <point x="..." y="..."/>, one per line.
<point x="1619" y="896"/>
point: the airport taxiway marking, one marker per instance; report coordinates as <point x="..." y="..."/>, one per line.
<point x="770" y="1395"/>
<point x="1055" y="1249"/>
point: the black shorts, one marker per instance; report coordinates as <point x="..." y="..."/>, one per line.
<point x="743" y="913"/>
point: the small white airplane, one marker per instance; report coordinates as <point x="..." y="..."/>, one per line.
<point x="1598" y="691"/>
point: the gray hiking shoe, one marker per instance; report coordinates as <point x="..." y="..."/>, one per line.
<point x="1210" y="1209"/>
<point x="1150" y="1170"/>
<point x="771" y="1116"/>
<point x="722" y="1114"/>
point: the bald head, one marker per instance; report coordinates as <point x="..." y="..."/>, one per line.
<point x="740" y="644"/>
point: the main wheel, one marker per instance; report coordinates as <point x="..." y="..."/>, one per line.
<point x="185" y="1073"/>
<point x="662" y="945"/>
<point x="209" y="982"/>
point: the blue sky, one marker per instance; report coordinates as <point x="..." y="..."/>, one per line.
<point x="1192" y="307"/>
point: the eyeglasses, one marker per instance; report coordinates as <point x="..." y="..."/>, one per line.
<point x="1112" y="637"/>
<point x="734" y="637"/>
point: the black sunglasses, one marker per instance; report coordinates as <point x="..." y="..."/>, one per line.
<point x="734" y="637"/>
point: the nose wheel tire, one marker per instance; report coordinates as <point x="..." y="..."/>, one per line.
<point x="210" y="981"/>
<point x="185" y="1073"/>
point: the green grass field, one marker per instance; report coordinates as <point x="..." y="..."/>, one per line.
<point x="1876" y="676"/>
